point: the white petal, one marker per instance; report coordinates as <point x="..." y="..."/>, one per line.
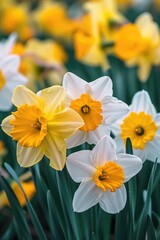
<point x="55" y="150"/>
<point x="101" y="88"/>
<point x="93" y="137"/>
<point x="74" y="85"/>
<point x="28" y="157"/>
<point x="115" y="127"/>
<point x="113" y="202"/>
<point x="6" y="46"/>
<point x="10" y="63"/>
<point x="120" y="145"/>
<point x="79" y="165"/>
<point x="86" y="196"/>
<point x="13" y="79"/>
<point x="153" y="148"/>
<point x="77" y="139"/>
<point x="104" y="151"/>
<point x="5" y="99"/>
<point x="131" y="164"/>
<point x="142" y="102"/>
<point x="157" y="121"/>
<point x="113" y="109"/>
<point x="23" y="95"/>
<point x="142" y="154"/>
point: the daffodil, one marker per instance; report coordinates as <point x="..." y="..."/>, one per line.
<point x="102" y="174"/>
<point x="138" y="44"/>
<point x="9" y="74"/>
<point x="53" y="18"/>
<point x="40" y="125"/>
<point x="95" y="104"/>
<point x="13" y="18"/>
<point x="142" y="126"/>
<point x="87" y="43"/>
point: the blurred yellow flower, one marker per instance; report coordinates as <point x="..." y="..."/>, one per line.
<point x="13" y="18"/>
<point x="39" y="66"/>
<point x="29" y="189"/>
<point x="52" y="18"/>
<point x="46" y="52"/>
<point x="139" y="45"/>
<point x="107" y="16"/>
<point x="41" y="125"/>
<point x="128" y="42"/>
<point x="87" y="43"/>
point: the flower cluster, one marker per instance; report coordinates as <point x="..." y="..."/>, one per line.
<point x="79" y="97"/>
<point x="78" y="112"/>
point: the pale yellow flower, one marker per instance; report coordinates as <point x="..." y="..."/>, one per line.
<point x="139" y="45"/>
<point x="41" y="125"/>
<point x="87" y="43"/>
<point x="150" y="53"/>
<point x="46" y="53"/>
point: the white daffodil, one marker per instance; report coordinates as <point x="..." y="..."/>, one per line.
<point x="102" y="174"/>
<point x="9" y="75"/>
<point x="95" y="104"/>
<point x="142" y="126"/>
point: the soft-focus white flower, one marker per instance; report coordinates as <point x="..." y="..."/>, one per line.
<point x="9" y="75"/>
<point x="102" y="174"/>
<point x="7" y="45"/>
<point x="142" y="126"/>
<point x="94" y="102"/>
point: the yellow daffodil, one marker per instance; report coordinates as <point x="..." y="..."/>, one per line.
<point x="40" y="125"/>
<point x="102" y="174"/>
<point x="107" y="16"/>
<point x="13" y="18"/>
<point x="142" y="126"/>
<point x="87" y="43"/>
<point x="37" y="49"/>
<point x="52" y="18"/>
<point x="128" y="43"/>
<point x="139" y="45"/>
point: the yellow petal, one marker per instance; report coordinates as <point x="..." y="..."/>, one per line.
<point x="22" y="95"/>
<point x="55" y="150"/>
<point x="144" y="69"/>
<point x="6" y="127"/>
<point x="65" y="123"/>
<point x="55" y="99"/>
<point x="27" y="157"/>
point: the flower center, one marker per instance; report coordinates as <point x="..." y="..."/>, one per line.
<point x="139" y="131"/>
<point x="85" y="109"/>
<point x="110" y="176"/>
<point x="29" y="126"/>
<point x="140" y="128"/>
<point x="2" y="80"/>
<point x="90" y="110"/>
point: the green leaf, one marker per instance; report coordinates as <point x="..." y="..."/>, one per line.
<point x="22" y="228"/>
<point x="37" y="225"/>
<point x="150" y="229"/>
<point x="129" y="149"/>
<point x="142" y="222"/>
